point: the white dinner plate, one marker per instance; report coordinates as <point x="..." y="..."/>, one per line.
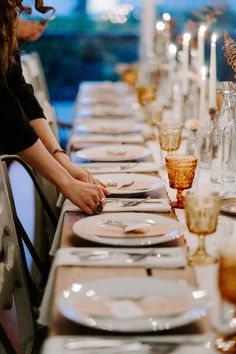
<point x="107" y="126"/>
<point x="88" y="228"/>
<point x="113" y="152"/>
<point x="132" y="304"/>
<point x="142" y="183"/>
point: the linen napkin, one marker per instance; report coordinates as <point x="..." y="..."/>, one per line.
<point x="73" y="256"/>
<point x="153" y="205"/>
<point x="175" y="343"/>
<point x="110" y="167"/>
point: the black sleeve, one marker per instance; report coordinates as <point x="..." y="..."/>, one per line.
<point x="24" y="92"/>
<point x="16" y="134"/>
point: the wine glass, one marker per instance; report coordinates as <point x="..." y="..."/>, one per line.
<point x="146" y="93"/>
<point x="169" y="137"/>
<point x="227" y="287"/>
<point x="181" y="172"/>
<point x="202" y="210"/>
<point x="153" y="116"/>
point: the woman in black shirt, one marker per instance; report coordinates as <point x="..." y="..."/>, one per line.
<point x="24" y="130"/>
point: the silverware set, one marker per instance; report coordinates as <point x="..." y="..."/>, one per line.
<point x="130" y="203"/>
<point x="131" y="256"/>
<point x="156" y="345"/>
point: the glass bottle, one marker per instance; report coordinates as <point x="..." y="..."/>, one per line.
<point x="217" y="133"/>
<point x="204" y="148"/>
<point x="228" y="165"/>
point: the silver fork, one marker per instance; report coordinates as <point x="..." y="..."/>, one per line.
<point x="128" y="167"/>
<point x="135" y="203"/>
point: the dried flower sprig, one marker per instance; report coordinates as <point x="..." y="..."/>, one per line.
<point x="230" y="51"/>
<point x="208" y="14"/>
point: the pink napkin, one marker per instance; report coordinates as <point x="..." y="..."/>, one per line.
<point x="139" y="230"/>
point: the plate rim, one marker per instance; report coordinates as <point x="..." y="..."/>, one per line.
<point x="146" y="152"/>
<point x="138" y="242"/>
<point x="185" y="317"/>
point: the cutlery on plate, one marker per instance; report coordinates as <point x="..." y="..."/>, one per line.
<point x="120" y="185"/>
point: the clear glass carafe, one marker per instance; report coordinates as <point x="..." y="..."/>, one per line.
<point x="217" y="134"/>
<point x="228" y="164"/>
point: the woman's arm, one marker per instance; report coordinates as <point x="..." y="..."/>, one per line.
<point x="45" y="134"/>
<point x="84" y="195"/>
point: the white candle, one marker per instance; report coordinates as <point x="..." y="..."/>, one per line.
<point x="147" y="34"/>
<point x="213" y="79"/>
<point x="201" y="50"/>
<point x="185" y="75"/>
<point x="202" y="106"/>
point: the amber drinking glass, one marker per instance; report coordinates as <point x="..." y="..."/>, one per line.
<point x="130" y="76"/>
<point x="227" y="287"/>
<point x="146" y="94"/>
<point x="169" y="136"/>
<point x="181" y="172"/>
<point x="202" y="212"/>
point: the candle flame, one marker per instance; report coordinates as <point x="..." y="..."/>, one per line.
<point x="166" y="17"/>
<point x="187" y="37"/>
<point x="172" y="48"/>
<point x="214" y="38"/>
<point x="202" y="29"/>
<point x="160" y="26"/>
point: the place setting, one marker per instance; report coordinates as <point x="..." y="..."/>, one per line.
<point x="132" y="304"/>
<point x="108" y="126"/>
<point x="113" y="153"/>
<point x="128" y="229"/>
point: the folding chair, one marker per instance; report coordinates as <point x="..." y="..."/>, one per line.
<point x="37" y="246"/>
<point x="15" y="302"/>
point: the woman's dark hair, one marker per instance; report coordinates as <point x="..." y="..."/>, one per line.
<point x="9" y="11"/>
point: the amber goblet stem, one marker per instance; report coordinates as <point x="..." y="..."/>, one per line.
<point x="179" y="202"/>
<point x="201" y="250"/>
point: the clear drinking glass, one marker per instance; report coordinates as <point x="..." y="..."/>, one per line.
<point x="223" y="116"/>
<point x="202" y="211"/>
<point x="228" y="163"/>
<point x="181" y="172"/>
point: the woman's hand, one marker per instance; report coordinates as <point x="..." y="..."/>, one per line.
<point x="86" y="196"/>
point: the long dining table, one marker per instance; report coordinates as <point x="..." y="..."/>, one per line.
<point x="196" y="336"/>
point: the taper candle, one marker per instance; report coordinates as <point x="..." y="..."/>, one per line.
<point x="213" y="79"/>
